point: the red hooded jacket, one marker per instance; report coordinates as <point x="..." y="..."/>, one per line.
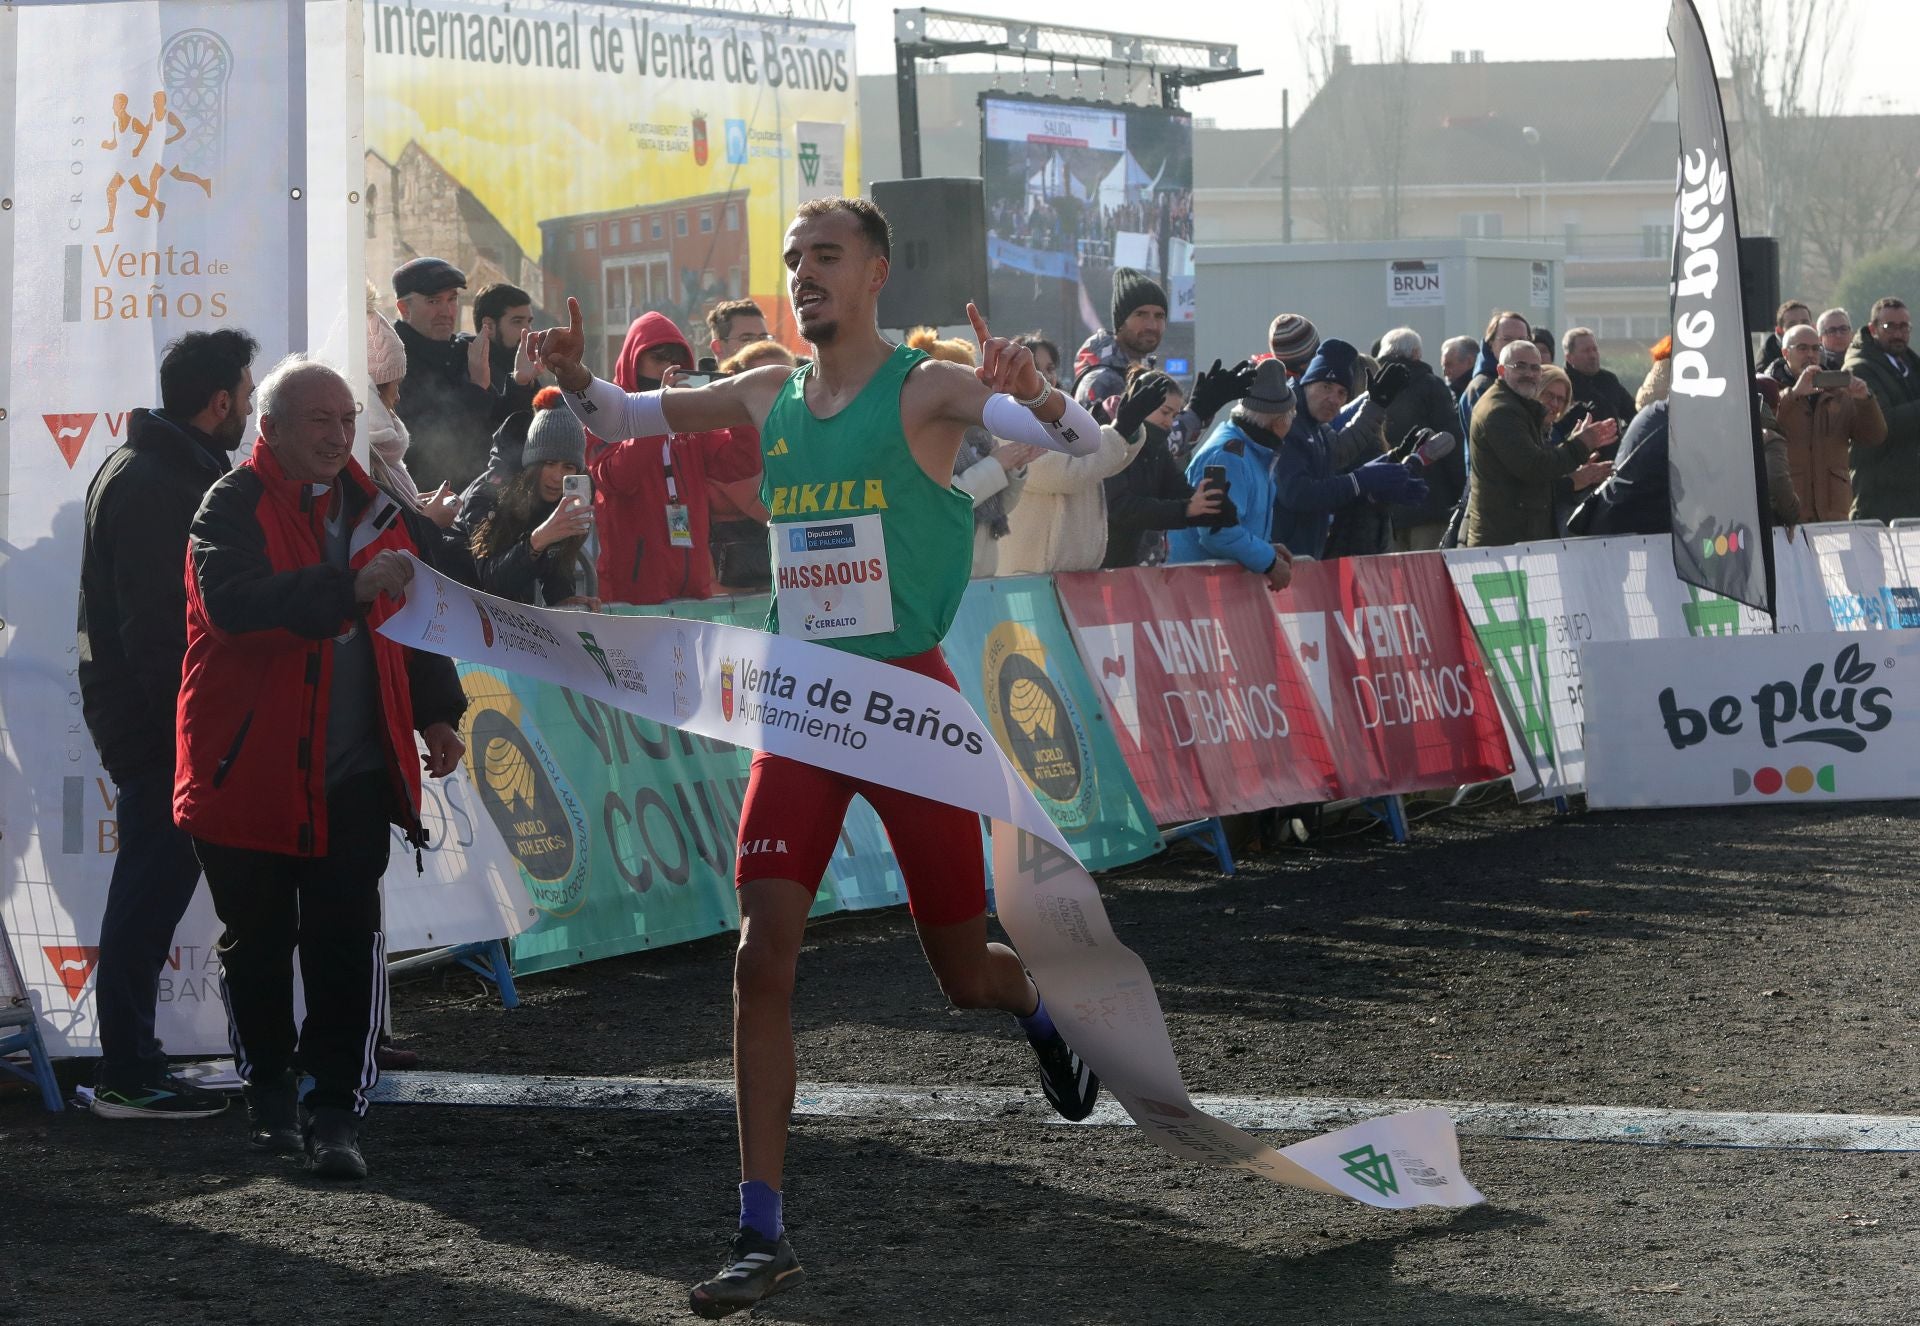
<point x="638" y="562"/>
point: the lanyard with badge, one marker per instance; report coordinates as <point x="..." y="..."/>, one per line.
<point x="679" y="519"/>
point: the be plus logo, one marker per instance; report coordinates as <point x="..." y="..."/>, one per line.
<point x="1838" y="707"/>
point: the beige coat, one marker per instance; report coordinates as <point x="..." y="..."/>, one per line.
<point x="1819" y="429"/>
<point x="1062" y="525"/>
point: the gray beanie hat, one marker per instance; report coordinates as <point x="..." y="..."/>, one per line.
<point x="554" y="433"/>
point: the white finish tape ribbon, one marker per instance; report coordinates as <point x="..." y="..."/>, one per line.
<point x="865" y="718"/>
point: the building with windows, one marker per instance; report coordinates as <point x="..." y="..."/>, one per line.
<point x="678" y="257"/>
<point x="414" y="206"/>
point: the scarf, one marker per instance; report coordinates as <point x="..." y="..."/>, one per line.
<point x="387" y="447"/>
<point x="976" y="445"/>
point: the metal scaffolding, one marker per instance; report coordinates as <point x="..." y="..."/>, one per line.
<point x="932" y="34"/>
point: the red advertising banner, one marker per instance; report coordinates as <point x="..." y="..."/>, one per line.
<point x="1212" y="715"/>
<point x="1396" y="671"/>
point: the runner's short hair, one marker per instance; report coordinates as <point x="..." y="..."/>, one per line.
<point x="873" y="221"/>
<point x="720" y="317"/>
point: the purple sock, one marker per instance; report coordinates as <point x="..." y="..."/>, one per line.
<point x="760" y="1209"/>
<point x="1036" y="1024"/>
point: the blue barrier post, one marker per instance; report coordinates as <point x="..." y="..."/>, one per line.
<point x="1392" y="812"/>
<point x="1210" y="832"/>
<point x="486" y="958"/>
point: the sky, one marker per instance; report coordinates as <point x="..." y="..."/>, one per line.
<point x="1882" y="78"/>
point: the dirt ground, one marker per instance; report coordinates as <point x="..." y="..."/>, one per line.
<point x="1736" y="960"/>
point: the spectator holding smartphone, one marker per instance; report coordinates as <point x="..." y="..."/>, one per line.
<point x="1238" y="457"/>
<point x="528" y="547"/>
<point x="1822" y="415"/>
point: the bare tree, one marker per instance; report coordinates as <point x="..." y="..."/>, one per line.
<point x="1317" y="25"/>
<point x="1395" y="39"/>
<point x="1788" y="67"/>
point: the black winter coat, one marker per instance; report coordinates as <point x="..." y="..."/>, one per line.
<point x="1150" y="494"/>
<point x="448" y="417"/>
<point x="133" y="589"/>
<point x="1427" y="402"/>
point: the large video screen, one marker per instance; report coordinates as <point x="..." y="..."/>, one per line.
<point x="1074" y="190"/>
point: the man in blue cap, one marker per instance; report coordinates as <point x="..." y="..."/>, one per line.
<point x="1314" y="471"/>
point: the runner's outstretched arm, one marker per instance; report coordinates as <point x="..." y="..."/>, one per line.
<point x="613" y="414"/>
<point x="1021" y="406"/>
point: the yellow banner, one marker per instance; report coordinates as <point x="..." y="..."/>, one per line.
<point x="639" y="157"/>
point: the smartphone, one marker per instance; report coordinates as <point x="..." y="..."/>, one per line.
<point x="1214" y="475"/>
<point x="1838" y="379"/>
<point x="695" y="379"/>
<point x="577" y="485"/>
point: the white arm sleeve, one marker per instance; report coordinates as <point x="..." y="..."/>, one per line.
<point x="1074" y="433"/>
<point x="615" y="415"/>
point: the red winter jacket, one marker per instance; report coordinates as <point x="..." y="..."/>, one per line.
<point x="638" y="562"/>
<point x="263" y="608"/>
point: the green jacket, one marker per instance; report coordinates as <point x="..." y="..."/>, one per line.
<point x="1510" y="485"/>
<point x="1886" y="478"/>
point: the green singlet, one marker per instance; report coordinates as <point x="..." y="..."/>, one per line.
<point x="870" y="555"/>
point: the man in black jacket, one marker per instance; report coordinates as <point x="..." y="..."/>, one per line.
<point x="132" y="638"/>
<point x="1426" y="402"/>
<point x="1593" y="384"/>
<point x="446" y="399"/>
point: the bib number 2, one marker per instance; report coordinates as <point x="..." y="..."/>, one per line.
<point x="830" y="578"/>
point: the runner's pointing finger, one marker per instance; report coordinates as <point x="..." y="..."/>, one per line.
<point x="573" y="316"/>
<point x="980" y="331"/>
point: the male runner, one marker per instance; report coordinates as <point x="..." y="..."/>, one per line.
<point x="876" y="426"/>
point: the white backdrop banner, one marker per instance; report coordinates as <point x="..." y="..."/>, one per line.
<point x="1534" y="606"/>
<point x="173" y="167"/>
<point x="865" y="718"/>
<point x="1753" y="720"/>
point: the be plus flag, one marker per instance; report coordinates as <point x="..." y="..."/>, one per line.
<point x="1393" y="666"/>
<point x="1212" y="718"/>
<point x="1721" y="532"/>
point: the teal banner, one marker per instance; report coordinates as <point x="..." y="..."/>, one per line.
<point x="624" y="828"/>
<point x="1017" y="664"/>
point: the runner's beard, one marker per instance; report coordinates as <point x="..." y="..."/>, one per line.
<point x="819" y="333"/>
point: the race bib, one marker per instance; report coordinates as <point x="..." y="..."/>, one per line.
<point x="830" y="578"/>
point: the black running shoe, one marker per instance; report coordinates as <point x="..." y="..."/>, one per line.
<point x="273" y="1116"/>
<point x="165" y="1097"/>
<point x="333" y="1145"/>
<point x="1070" y="1085"/>
<point x="757" y="1267"/>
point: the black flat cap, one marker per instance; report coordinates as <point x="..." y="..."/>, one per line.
<point x="427" y="276"/>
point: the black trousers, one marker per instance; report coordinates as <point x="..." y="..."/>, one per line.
<point x="327" y="907"/>
<point x="154" y="875"/>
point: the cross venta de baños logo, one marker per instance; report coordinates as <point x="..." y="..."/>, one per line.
<point x="1842" y="702"/>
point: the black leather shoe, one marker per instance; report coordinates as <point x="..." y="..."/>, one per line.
<point x="333" y="1145"/>
<point x="273" y="1116"/>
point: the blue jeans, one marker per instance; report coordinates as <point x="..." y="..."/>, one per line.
<point x="154" y="874"/>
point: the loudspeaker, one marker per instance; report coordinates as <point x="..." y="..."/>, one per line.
<point x="1760" y="281"/>
<point x="939" y="250"/>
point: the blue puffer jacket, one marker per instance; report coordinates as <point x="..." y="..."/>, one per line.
<point x="1309" y="478"/>
<point x="1244" y="450"/>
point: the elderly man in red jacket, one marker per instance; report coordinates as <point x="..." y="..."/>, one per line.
<point x="296" y="752"/>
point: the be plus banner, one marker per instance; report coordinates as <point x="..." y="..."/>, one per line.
<point x="1395" y="671"/>
<point x="1753" y="720"/>
<point x="1212" y="717"/>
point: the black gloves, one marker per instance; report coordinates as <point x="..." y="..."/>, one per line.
<point x="1388" y="383"/>
<point x="1145" y="393"/>
<point x="1219" y="386"/>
